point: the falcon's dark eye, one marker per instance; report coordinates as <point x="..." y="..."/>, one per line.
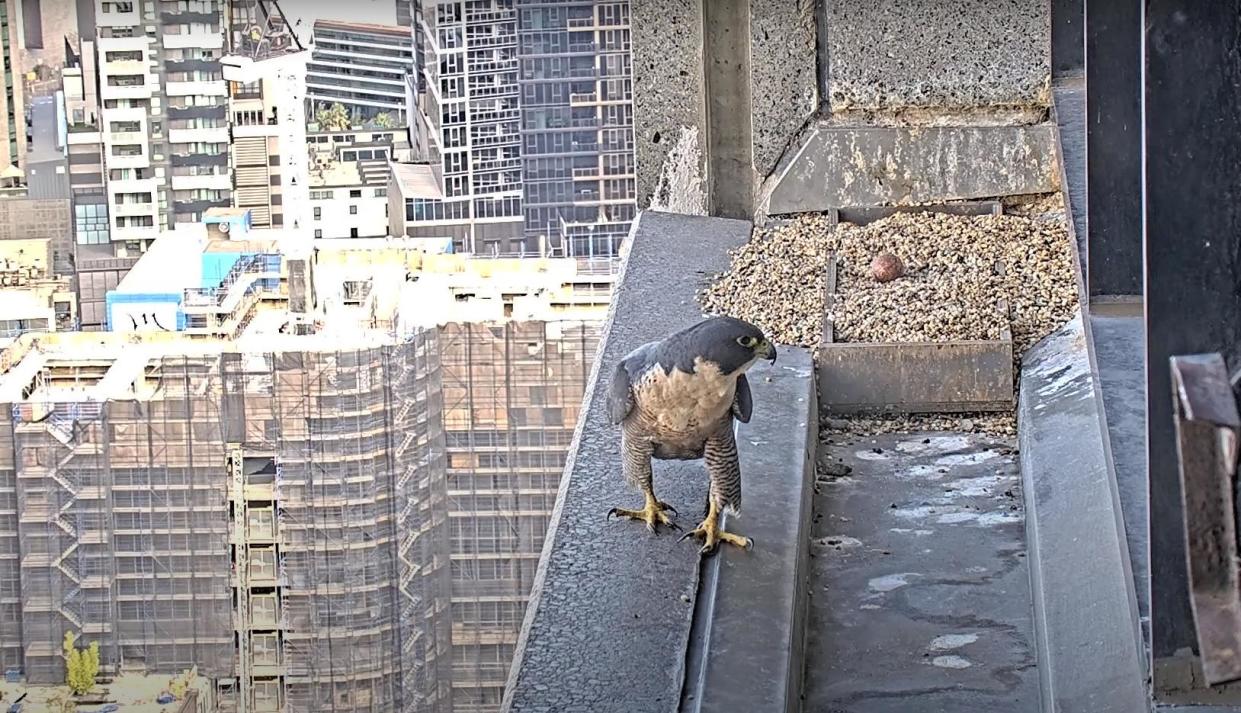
<point x="747" y="342"/>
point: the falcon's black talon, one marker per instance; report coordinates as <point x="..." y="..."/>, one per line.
<point x="675" y="526"/>
<point x="610" y="514"/>
<point x="668" y="508"/>
<point x="686" y="536"/>
<point x="749" y="544"/>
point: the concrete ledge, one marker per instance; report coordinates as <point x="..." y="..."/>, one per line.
<point x="746" y="650"/>
<point x="609" y="616"/>
<point x="839" y="166"/>
<point x="1085" y="612"/>
<point x="618" y="619"/>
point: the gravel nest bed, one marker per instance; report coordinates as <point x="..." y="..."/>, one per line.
<point x="957" y="269"/>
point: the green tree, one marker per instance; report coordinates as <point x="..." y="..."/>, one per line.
<point x="333" y="118"/>
<point x="383" y="120"/>
<point x="82" y="665"/>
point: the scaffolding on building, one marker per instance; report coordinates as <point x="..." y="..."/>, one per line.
<point x="327" y="530"/>
<point x="512" y="394"/>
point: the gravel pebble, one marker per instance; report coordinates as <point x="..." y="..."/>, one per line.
<point x="959" y="269"/>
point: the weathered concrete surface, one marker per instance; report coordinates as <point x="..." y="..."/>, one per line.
<point x="920" y="593"/>
<point x="940" y="54"/>
<point x="668" y="81"/>
<point x="765" y="91"/>
<point x="784" y="73"/>
<point x="837" y="166"/>
<point x="746" y="650"/>
<point x="607" y="626"/>
<point x="730" y="135"/>
<point x="1087" y="625"/>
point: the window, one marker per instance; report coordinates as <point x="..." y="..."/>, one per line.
<point x="353" y="210"/>
<point x="381" y="192"/>
<point x="353" y="232"/>
<point x="133" y="56"/>
<point x="318" y="213"/>
<point x="355" y="193"/>
<point x="318" y="233"/>
<point x="91" y="223"/>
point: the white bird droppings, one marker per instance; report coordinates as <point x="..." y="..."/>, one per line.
<point x="950" y="662"/>
<point x="966" y="458"/>
<point x="947" y="642"/>
<point x="889" y="582"/>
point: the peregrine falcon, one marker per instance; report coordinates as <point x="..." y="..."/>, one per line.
<point x="676" y="400"/>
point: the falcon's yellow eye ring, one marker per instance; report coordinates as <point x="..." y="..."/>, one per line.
<point x="747" y="342"/>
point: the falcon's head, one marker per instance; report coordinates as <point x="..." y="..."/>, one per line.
<point x="731" y="344"/>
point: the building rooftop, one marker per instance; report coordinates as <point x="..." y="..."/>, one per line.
<point x="362" y="27"/>
<point x="416" y="180"/>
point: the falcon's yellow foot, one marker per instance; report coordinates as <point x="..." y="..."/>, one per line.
<point x="652" y="514"/>
<point x="712" y="534"/>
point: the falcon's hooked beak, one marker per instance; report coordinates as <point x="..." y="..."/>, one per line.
<point x="766" y="350"/>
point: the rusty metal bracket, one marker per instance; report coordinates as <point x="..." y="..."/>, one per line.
<point x="1207" y="428"/>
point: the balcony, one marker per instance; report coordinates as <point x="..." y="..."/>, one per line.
<point x="141" y="160"/>
<point x="584" y="99"/>
<point x="119" y="210"/>
<point x="125" y="66"/>
<point x="118" y="19"/>
<point x="210" y="88"/>
<point x="214" y="135"/>
<point x="134" y="233"/>
<point x="127" y="137"/>
<point x="129" y="91"/>
<point x="217" y="181"/>
<point x="204" y="40"/>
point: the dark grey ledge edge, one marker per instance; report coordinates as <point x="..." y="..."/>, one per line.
<point x="1085" y="611"/>
<point x="611" y="607"/>
<point x="747" y="645"/>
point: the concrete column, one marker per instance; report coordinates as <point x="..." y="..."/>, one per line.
<point x="730" y="148"/>
<point x="1192" y="135"/>
<point x="743" y="73"/>
<point x="1113" y="147"/>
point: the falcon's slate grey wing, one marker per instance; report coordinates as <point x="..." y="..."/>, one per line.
<point x="743" y="402"/>
<point x="620" y="394"/>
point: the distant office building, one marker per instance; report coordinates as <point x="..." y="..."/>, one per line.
<point x="362" y="67"/>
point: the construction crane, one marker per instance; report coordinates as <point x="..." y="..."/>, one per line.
<point x="264" y="48"/>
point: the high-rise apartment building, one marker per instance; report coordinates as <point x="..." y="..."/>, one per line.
<point x="362" y="67"/>
<point x="12" y="99"/>
<point x="578" y="178"/>
<point x="164" y="115"/>
<point x="525" y="109"/>
<point x="467" y="124"/>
